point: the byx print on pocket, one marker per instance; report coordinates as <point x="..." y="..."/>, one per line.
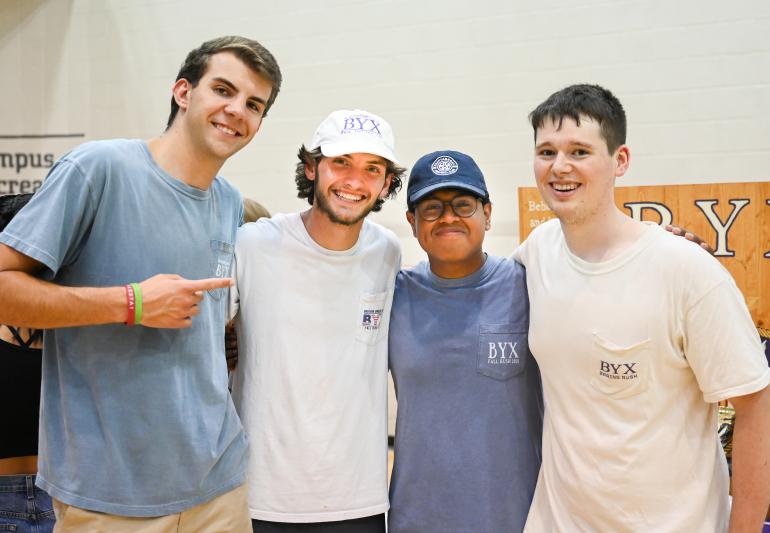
<point x="503" y="350"/>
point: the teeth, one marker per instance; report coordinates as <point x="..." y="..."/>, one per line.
<point x="564" y="187"/>
<point x="350" y="197"/>
<point x="222" y="127"/>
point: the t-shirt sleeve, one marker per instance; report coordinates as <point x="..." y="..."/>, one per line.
<point x="518" y="253"/>
<point x="399" y="258"/>
<point x="722" y="345"/>
<point x="240" y="211"/>
<point x="526" y="252"/>
<point x="52" y="226"/>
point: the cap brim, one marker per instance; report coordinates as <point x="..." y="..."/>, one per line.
<point x="422" y="193"/>
<point x="358" y="147"/>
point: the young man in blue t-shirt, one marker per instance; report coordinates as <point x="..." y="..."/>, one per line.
<point x="469" y="423"/>
<point x="137" y="426"/>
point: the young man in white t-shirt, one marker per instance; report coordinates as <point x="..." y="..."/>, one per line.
<point x="313" y="297"/>
<point x="637" y="334"/>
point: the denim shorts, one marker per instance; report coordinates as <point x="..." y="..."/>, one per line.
<point x="24" y="507"/>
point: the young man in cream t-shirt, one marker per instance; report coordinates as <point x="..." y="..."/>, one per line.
<point x="638" y="334"/>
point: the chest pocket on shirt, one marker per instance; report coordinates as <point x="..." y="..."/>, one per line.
<point x="370" y="316"/>
<point x="619" y="370"/>
<point x="503" y="350"/>
<point x="221" y="261"/>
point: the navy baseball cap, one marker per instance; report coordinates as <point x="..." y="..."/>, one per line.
<point x="445" y="169"/>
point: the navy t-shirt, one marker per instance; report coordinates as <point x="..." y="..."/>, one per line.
<point x="470" y="406"/>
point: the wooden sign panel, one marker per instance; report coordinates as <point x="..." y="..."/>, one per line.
<point x="734" y="218"/>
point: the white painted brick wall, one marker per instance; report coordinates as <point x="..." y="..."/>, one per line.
<point x="694" y="76"/>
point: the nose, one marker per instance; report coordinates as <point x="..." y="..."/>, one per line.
<point x="561" y="164"/>
<point x="448" y="215"/>
<point x="354" y="177"/>
<point x="236" y="107"/>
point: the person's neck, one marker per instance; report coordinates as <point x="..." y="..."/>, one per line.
<point x="457" y="269"/>
<point x="176" y="155"/>
<point x="328" y="234"/>
<point x="602" y="237"/>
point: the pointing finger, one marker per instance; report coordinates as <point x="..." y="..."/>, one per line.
<point x="209" y="284"/>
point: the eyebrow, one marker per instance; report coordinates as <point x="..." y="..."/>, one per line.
<point x="230" y="84"/>
<point x="571" y="143"/>
<point x="378" y="161"/>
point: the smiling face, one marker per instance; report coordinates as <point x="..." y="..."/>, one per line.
<point x="574" y="170"/>
<point x="453" y="243"/>
<point x="347" y="186"/>
<point x="222" y="113"/>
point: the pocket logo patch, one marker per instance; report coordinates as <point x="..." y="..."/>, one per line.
<point x="370" y="321"/>
<point x="502" y="353"/>
<point x="617" y="371"/>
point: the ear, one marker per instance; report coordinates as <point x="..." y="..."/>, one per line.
<point x="410" y="219"/>
<point x="622" y="158"/>
<point x="310" y="169"/>
<point x="487" y="216"/>
<point x="385" y="187"/>
<point x="181" y="92"/>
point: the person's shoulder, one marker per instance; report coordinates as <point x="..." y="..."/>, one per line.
<point x="224" y="185"/>
<point x="101" y="154"/>
<point x="541" y="239"/>
<point x="415" y="270"/>
<point x="378" y="230"/>
<point x="507" y="265"/>
<point x="550" y="229"/>
<point x="375" y="232"/>
<point x="414" y="275"/>
<point x="679" y="250"/>
<point x="227" y="190"/>
<point x="684" y="260"/>
<point x="265" y="227"/>
<point x="95" y="162"/>
<point x="104" y="150"/>
<point x="256" y="238"/>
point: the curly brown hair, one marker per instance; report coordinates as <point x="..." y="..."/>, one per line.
<point x="306" y="187"/>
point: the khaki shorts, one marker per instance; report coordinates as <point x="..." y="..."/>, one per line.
<point x="228" y="513"/>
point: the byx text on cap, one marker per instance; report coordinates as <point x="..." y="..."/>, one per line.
<point x="355" y="131"/>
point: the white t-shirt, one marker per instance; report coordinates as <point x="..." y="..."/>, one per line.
<point x="311" y="381"/>
<point x="633" y="352"/>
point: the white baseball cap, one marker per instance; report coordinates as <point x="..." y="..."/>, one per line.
<point x="354" y="131"/>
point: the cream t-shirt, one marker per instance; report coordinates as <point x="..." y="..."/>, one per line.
<point x="633" y="354"/>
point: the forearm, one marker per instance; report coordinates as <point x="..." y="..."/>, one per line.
<point x="751" y="462"/>
<point x="31" y="302"/>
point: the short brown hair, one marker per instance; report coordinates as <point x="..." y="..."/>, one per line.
<point x="254" y="55"/>
<point x="592" y="101"/>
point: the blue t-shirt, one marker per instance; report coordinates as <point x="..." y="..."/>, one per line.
<point x="470" y="406"/>
<point x="135" y="421"/>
